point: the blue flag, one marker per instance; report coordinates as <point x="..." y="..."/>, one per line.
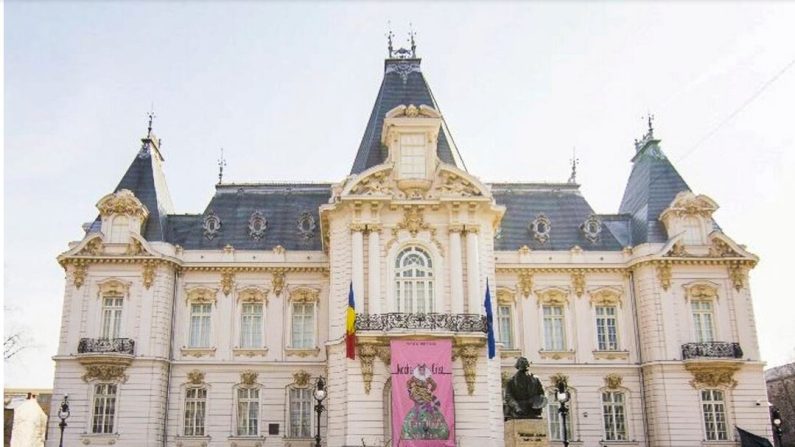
<point x="489" y="323"/>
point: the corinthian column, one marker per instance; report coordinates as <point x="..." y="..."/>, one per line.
<point x="456" y="271"/>
<point x="473" y="272"/>
<point x="357" y="265"/>
<point x="373" y="269"/>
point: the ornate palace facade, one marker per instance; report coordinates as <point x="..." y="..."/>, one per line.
<point x="208" y="329"/>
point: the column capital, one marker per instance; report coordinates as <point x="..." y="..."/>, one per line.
<point x="357" y="227"/>
<point x="455" y="228"/>
<point x="472" y="229"/>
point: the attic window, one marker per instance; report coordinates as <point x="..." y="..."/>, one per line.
<point x="211" y="225"/>
<point x="412" y="155"/>
<point x="257" y="224"/>
<point x="541" y="227"/>
<point x="119" y="230"/>
<point x="592" y="228"/>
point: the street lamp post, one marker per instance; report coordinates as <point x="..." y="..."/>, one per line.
<point x="320" y="394"/>
<point x="63" y="414"/>
<point x="775" y="418"/>
<point x="563" y="396"/>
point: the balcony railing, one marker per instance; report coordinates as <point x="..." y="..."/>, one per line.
<point x="429" y="321"/>
<point x="106" y="345"/>
<point x="712" y="349"/>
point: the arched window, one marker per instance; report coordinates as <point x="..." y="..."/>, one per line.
<point x="414" y="281"/>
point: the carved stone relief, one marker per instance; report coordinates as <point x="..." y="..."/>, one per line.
<point x="257" y="225"/>
<point x="211" y="225"/>
<point x="541" y="227"/>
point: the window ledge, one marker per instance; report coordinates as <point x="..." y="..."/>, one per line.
<point x="719" y="443"/>
<point x="553" y="443"/>
<point x="197" y="352"/>
<point x="99" y="438"/>
<point x="619" y="443"/>
<point x="510" y="353"/>
<point x="246" y="441"/>
<point x="556" y="355"/>
<point x="192" y="441"/>
<point x="250" y="352"/>
<point x="302" y="352"/>
<point x="611" y="355"/>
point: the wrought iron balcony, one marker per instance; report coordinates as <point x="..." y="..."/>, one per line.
<point x="429" y="321"/>
<point x="712" y="349"/>
<point x="106" y="345"/>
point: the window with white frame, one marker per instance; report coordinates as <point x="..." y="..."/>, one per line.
<point x="505" y="324"/>
<point x="119" y="230"/>
<point x="692" y="228"/>
<point x="412" y="155"/>
<point x="111" y="316"/>
<point x="104" y="412"/>
<point x="703" y="320"/>
<point x="713" y="407"/>
<point x="606" y="328"/>
<point x="251" y="325"/>
<point x="414" y="281"/>
<point x="554" y="332"/>
<point x="195" y="409"/>
<point x="200" y="314"/>
<point x="303" y="325"/>
<point x="614" y="415"/>
<point x="553" y="418"/>
<point x="247" y="411"/>
<point x="300" y="412"/>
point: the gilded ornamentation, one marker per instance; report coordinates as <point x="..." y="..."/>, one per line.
<point x="257" y="225"/>
<point x="201" y="295"/>
<point x="664" y="275"/>
<point x="135" y="248"/>
<point x="94" y="247"/>
<point x="605" y="296"/>
<point x="558" y="378"/>
<point x="505" y="296"/>
<point x="720" y="249"/>
<point x="592" y="228"/>
<point x="122" y="202"/>
<point x="105" y="372"/>
<point x="195" y="377"/>
<point x="553" y="296"/>
<point x="413" y="221"/>
<point x="578" y="282"/>
<point x="412" y="111"/>
<point x="113" y="287"/>
<point x="524" y="250"/>
<point x="301" y="378"/>
<point x="357" y="227"/>
<point x="678" y="251"/>
<point x="377" y="183"/>
<point x="713" y="374"/>
<point x="229" y="249"/>
<point x="248" y="377"/>
<point x="279" y="250"/>
<point x="701" y="291"/>
<point x="304" y="295"/>
<point x="687" y="204"/>
<point x="252" y="294"/>
<point x="469" y="360"/>
<point x="453" y="184"/>
<point x="525" y="282"/>
<point x="576" y="250"/>
<point x="227" y="282"/>
<point x="277" y="281"/>
<point x="541" y="227"/>
<point x="613" y="380"/>
<point x="148" y="275"/>
<point x="737" y="275"/>
<point x="79" y="275"/>
<point x="368" y="351"/>
<point x="211" y="225"/>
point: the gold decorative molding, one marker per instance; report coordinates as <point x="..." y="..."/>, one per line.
<point x="302" y="352"/>
<point x="148" y="275"/>
<point x="454" y="184"/>
<point x="701" y="291"/>
<point x="687" y="204"/>
<point x="113" y="286"/>
<point x="94" y="247"/>
<point x="301" y="378"/>
<point x="279" y="250"/>
<point x="79" y="275"/>
<point x="524" y="250"/>
<point x="248" y="377"/>
<point x="711" y="373"/>
<point x="525" y="282"/>
<point x="201" y="294"/>
<point x="105" y="367"/>
<point x="136" y="248"/>
<point x="552" y="296"/>
<point x="664" y="275"/>
<point x="556" y="355"/>
<point x="455" y="228"/>
<point x="611" y="355"/>
<point x="249" y="352"/>
<point x="678" y="251"/>
<point x="737" y="275"/>
<point x="720" y="249"/>
<point x="197" y="352"/>
<point x="605" y="296"/>
<point x="122" y="202"/>
<point x="252" y="294"/>
<point x="576" y="250"/>
<point x="195" y="377"/>
<point x="578" y="282"/>
<point x="277" y="281"/>
<point x="413" y="221"/>
<point x="468" y="351"/>
<point x="505" y="296"/>
<point x="377" y="183"/>
<point x="368" y="351"/>
<point x="304" y="295"/>
<point x="559" y="378"/>
<point x="357" y="227"/>
<point x="227" y="282"/>
<point x="229" y="249"/>
<point x="613" y="381"/>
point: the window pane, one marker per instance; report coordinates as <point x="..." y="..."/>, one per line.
<point x="414" y="281"/>
<point x="104" y="408"/>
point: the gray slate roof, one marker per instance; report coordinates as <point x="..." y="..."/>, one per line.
<point x="652" y="186"/>
<point x="403" y="84"/>
<point x="562" y="204"/>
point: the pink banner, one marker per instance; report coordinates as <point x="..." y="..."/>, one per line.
<point x="423" y="412"/>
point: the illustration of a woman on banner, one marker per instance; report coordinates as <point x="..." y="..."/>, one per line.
<point x="424" y="420"/>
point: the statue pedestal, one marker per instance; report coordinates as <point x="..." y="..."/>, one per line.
<point x="526" y="433"/>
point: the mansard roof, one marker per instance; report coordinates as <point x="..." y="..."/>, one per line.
<point x="566" y="209"/>
<point x="403" y="84"/>
<point x="652" y="185"/>
<point x="283" y="205"/>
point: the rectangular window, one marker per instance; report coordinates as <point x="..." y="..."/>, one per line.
<point x="703" y="321"/>
<point x="104" y="408"/>
<point x="300" y="412"/>
<point x="554" y="334"/>
<point x="606" y="328"/>
<point x="303" y="325"/>
<point x="111" y="316"/>
<point x="614" y="416"/>
<point x="555" y="424"/>
<point x="714" y="410"/>
<point x="247" y="411"/>
<point x="692" y="228"/>
<point x="412" y="155"/>
<point x="195" y="404"/>
<point x="251" y="325"/>
<point x="505" y="323"/>
<point x="200" y="325"/>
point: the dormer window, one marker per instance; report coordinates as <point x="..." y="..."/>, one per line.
<point x="119" y="230"/>
<point x="412" y="155"/>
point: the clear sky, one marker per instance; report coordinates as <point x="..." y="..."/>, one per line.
<point x="286" y="90"/>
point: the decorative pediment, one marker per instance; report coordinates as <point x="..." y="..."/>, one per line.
<point x="701" y="290"/>
<point x="93" y="246"/>
<point x="412" y="111"/>
<point x="304" y="295"/>
<point x="713" y="374"/>
<point x="122" y="202"/>
<point x="252" y="294"/>
<point x="114" y="287"/>
<point x="505" y="296"/>
<point x="605" y="296"/>
<point x="687" y="204"/>
<point x="452" y="184"/>
<point x="201" y="294"/>
<point x="553" y="296"/>
<point x="105" y="368"/>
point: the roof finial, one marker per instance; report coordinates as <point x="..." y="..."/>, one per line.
<point x="389" y="36"/>
<point x="574" y="162"/>
<point x="650" y="118"/>
<point x="151" y="116"/>
<point x="413" y="44"/>
<point x="221" y="164"/>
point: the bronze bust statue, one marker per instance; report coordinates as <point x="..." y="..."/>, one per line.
<point x="524" y="394"/>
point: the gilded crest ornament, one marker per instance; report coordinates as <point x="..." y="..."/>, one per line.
<point x="195" y="377"/>
<point x="257" y="224"/>
<point x="664" y="275"/>
<point x="94" y="247"/>
<point x="301" y="378"/>
<point x="248" y="377"/>
<point x="122" y="202"/>
<point x="592" y="228"/>
<point x="525" y="282"/>
<point x="541" y="227"/>
<point x="79" y="275"/>
<point x="227" y="282"/>
<point x="413" y="221"/>
<point x="277" y="282"/>
<point x="211" y="225"/>
<point x="148" y="275"/>
<point x="613" y="380"/>
<point x="578" y="282"/>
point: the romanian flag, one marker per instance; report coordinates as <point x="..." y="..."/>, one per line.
<point x="350" y="326"/>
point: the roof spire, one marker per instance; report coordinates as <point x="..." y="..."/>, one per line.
<point x="650" y="118"/>
<point x="389" y="36"/>
<point x="649" y="136"/>
<point x="574" y="162"/>
<point x="221" y="164"/>
<point x="151" y="116"/>
<point x="413" y="44"/>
